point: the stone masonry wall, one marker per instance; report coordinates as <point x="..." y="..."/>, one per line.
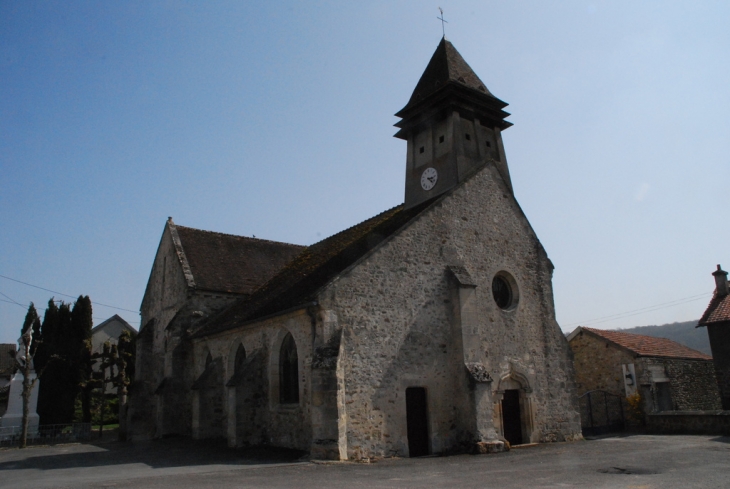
<point x="282" y="425"/>
<point x="720" y="343"/>
<point x="171" y="310"/>
<point x="166" y="293"/>
<point x="397" y="312"/>
<point x="598" y="364"/>
<point x="693" y="385"/>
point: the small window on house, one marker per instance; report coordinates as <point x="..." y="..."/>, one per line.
<point x="467" y="137"/>
<point x="441" y="139"/>
<point x="288" y="372"/>
<point x="422" y="149"/>
<point x="489" y="145"/>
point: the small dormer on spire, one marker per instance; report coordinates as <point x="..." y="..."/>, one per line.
<point x="453" y="125"/>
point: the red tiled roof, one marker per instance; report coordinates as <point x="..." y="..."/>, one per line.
<point x="236" y="264"/>
<point x="718" y="311"/>
<point x="649" y="346"/>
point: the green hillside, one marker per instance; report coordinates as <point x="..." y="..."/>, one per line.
<point x="685" y="333"/>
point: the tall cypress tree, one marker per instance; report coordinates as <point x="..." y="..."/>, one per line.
<point x="48" y="336"/>
<point x="31" y="319"/>
<point x="67" y="351"/>
<point x="49" y="386"/>
<point x="80" y="352"/>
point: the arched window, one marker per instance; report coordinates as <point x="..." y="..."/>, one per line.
<point x="208" y="360"/>
<point x="288" y="372"/>
<point x="240" y="358"/>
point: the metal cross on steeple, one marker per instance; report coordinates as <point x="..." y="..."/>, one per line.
<point x="443" y="30"/>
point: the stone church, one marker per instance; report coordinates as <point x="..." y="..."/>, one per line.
<point x="429" y="328"/>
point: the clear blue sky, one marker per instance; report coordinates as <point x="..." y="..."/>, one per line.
<point x="276" y="119"/>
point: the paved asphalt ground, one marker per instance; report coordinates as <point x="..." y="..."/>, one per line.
<point x="637" y="462"/>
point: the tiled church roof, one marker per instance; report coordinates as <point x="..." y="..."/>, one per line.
<point x="237" y="264"/>
<point x="299" y="281"/>
<point x="649" y="346"/>
<point x="717" y="311"/>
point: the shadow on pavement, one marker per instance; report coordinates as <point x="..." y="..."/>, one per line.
<point x="721" y="439"/>
<point x="171" y="452"/>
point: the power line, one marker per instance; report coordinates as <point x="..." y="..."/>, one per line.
<point x="12" y="300"/>
<point x="635" y="312"/>
<point x="44" y="310"/>
<point x="65" y="295"/>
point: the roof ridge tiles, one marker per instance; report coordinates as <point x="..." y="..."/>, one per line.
<point x="718" y="310"/>
<point x="649" y="346"/>
<point x="358" y="224"/>
<point x="239" y="236"/>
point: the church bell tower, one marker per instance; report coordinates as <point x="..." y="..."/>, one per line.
<point x="453" y="125"/>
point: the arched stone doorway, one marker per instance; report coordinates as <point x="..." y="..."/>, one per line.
<point x="513" y="409"/>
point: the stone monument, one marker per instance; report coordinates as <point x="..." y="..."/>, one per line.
<point x="14" y="414"/>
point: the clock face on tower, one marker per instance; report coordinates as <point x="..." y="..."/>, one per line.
<point x="429" y="178"/>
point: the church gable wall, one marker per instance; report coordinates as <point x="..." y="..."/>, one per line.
<point x="399" y="312"/>
<point x="252" y="411"/>
<point x="167" y="290"/>
<point x="171" y="309"/>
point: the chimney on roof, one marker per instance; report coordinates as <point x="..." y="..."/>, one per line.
<point x="721" y="288"/>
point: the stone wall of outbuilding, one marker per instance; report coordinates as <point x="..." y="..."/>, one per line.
<point x="692" y="383"/>
<point x="598" y="364"/>
<point x="719" y="334"/>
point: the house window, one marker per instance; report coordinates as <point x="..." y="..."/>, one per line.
<point x="441" y="139"/>
<point x="288" y="372"/>
<point x="422" y="149"/>
<point x="467" y="137"/>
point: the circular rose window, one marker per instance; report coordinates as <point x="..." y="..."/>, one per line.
<point x="504" y="291"/>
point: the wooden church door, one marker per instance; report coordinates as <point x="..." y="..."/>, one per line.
<point x="511" y="417"/>
<point x="417" y="421"/>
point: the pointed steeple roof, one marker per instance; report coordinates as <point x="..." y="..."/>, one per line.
<point x="449" y="81"/>
<point x="446" y="66"/>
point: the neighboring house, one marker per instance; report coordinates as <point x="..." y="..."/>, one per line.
<point x="109" y="330"/>
<point x="7" y="368"/>
<point x="7" y="362"/>
<point x="717" y="320"/>
<point x="428" y="328"/>
<point x="668" y="376"/>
